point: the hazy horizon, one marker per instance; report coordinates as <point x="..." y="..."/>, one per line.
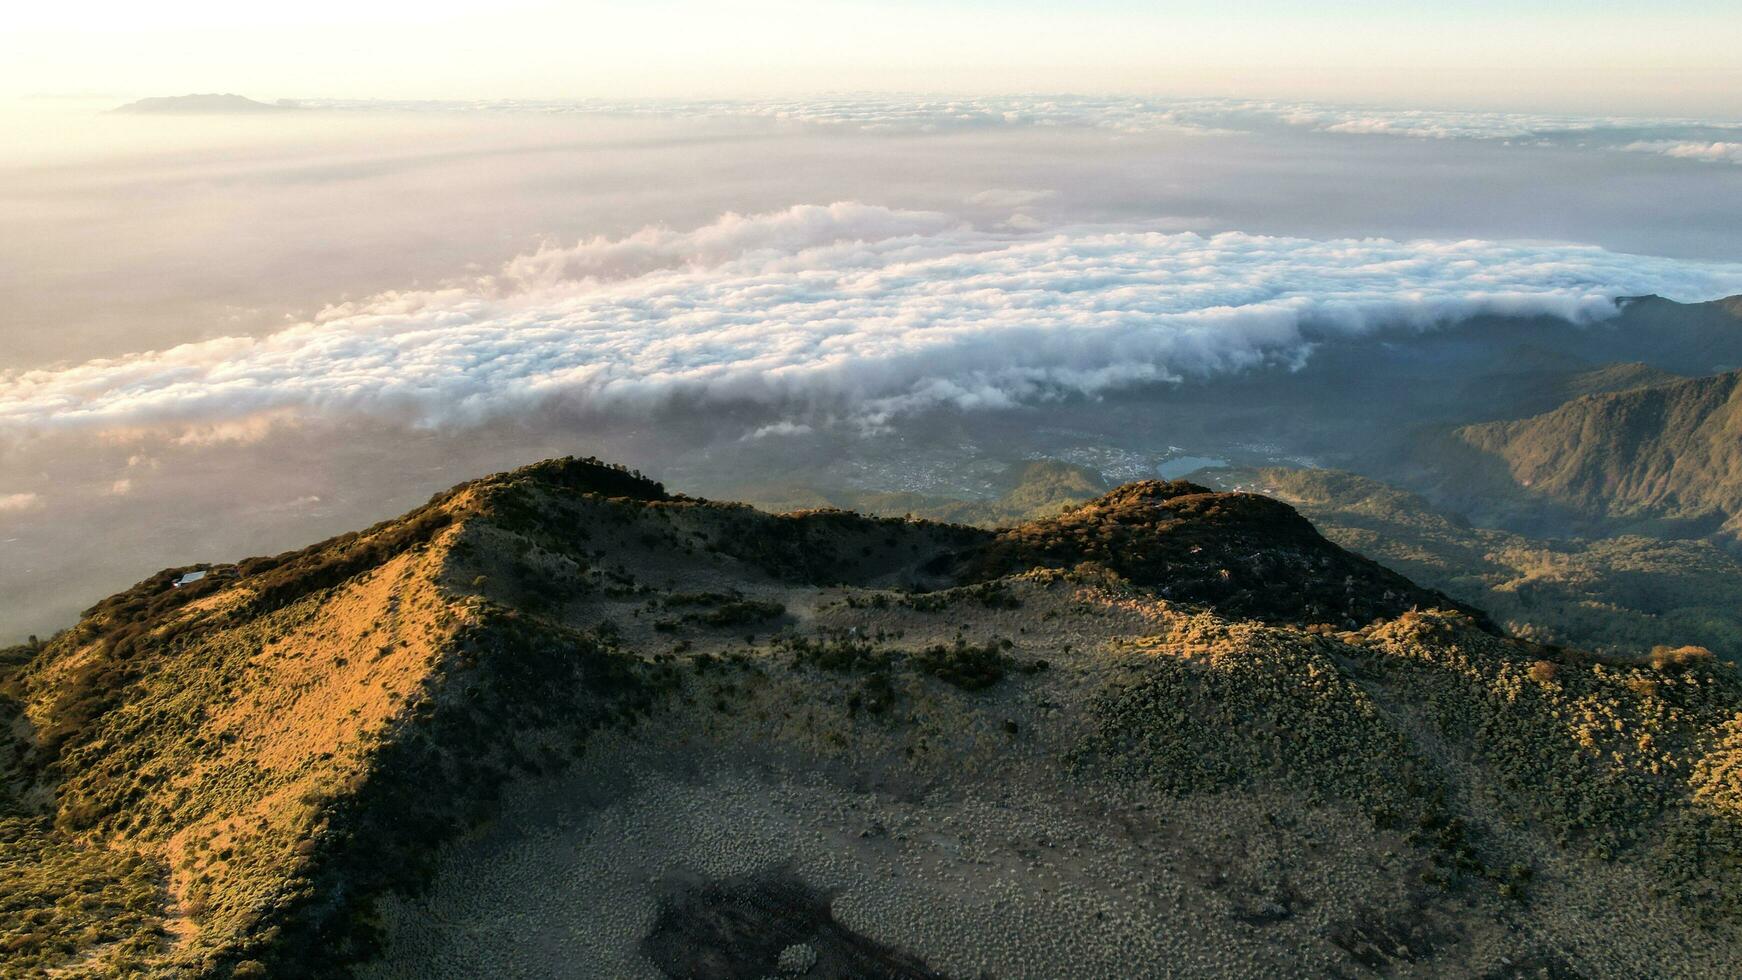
<point x="1674" y="58"/>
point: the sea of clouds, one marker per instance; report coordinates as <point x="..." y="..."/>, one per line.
<point x="1714" y="151"/>
<point x="1676" y="137"/>
<point x="845" y="311"/>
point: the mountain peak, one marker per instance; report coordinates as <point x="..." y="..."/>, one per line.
<point x="641" y="722"/>
<point x="1247" y="555"/>
<point x="585" y="475"/>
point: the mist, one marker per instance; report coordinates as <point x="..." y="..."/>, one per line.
<point x="120" y="234"/>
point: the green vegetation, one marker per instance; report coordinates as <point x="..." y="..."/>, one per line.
<point x="221" y="779"/>
<point x="1621" y="595"/>
<point x="1612" y="378"/>
<point x="987" y="595"/>
<point x="159" y="804"/>
<point x="741" y="612"/>
<point x="63" y="899"/>
<point x="1612" y="758"/>
<point x="527" y="697"/>
<point x="971" y="667"/>
<point x="1666" y="456"/>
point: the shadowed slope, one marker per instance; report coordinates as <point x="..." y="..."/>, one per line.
<point x="1670" y="453"/>
<point x="1618" y="595"/>
<point x="1248" y="556"/>
<point x="288" y="766"/>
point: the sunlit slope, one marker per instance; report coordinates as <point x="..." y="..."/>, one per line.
<point x="561" y="721"/>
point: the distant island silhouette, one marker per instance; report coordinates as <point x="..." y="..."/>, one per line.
<point x="209" y="103"/>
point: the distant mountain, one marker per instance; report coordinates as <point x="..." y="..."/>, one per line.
<point x="1498" y="368"/>
<point x="1614" y="595"/>
<point x="562" y="722"/>
<point x="1667" y="456"/>
<point x="1687" y="338"/>
<point x="1610" y="378"/>
<point x="1485" y="369"/>
<point x="207" y="104"/>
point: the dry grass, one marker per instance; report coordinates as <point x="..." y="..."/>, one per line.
<point x="273" y="754"/>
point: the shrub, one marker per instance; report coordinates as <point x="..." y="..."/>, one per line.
<point x="1665" y="657"/>
<point x="969" y="667"/>
<point x="743" y="611"/>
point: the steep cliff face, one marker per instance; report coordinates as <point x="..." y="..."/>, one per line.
<point x="1669" y="452"/>
<point x="562" y="721"/>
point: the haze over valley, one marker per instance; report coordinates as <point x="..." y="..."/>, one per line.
<point x="360" y="354"/>
<point x="578" y="490"/>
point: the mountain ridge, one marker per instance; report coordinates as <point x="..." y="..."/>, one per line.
<point x="1621" y="595"/>
<point x="280" y="768"/>
<point x="1664" y="452"/>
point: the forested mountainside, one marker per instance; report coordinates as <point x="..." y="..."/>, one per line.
<point x="1668" y="454"/>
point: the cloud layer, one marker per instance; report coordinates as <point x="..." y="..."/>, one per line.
<point x="849" y="311"/>
<point x="15" y="502"/>
<point x="1716" y="151"/>
<point x="1124" y="114"/>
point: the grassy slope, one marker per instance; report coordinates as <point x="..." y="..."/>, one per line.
<point x="219" y="778"/>
<point x="200" y="748"/>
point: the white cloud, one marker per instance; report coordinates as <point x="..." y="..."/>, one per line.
<point x="1008" y="197"/>
<point x="121" y="488"/>
<point x="11" y="503"/>
<point x="1022" y="221"/>
<point x="846" y="311"/>
<point x="732" y="237"/>
<point x="1711" y="152"/>
<point x="782" y="428"/>
<point x="241" y="430"/>
<point x="1122" y="114"/>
